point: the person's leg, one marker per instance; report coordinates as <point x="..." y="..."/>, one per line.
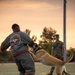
<point x="51" y="71"/>
<point x="28" y="64"/>
<point x="20" y="68"/>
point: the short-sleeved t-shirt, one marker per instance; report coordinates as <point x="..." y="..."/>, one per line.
<point x="57" y="47"/>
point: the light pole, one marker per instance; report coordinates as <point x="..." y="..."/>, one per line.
<point x="64" y="27"/>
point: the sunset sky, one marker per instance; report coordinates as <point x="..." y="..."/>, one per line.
<point x="37" y="14"/>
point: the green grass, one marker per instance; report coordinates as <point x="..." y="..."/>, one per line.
<point x="11" y="69"/>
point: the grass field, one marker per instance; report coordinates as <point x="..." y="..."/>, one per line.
<point x="11" y="69"/>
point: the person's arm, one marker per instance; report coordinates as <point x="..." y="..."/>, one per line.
<point x="28" y="40"/>
<point x="62" y="56"/>
<point x="5" y="44"/>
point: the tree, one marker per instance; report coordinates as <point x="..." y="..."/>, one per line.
<point x="3" y="56"/>
<point x="48" y="34"/>
<point x="34" y="38"/>
<point x="28" y="31"/>
<point x="47" y="38"/>
<point x="69" y="52"/>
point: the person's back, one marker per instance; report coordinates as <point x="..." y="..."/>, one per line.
<point x="21" y="44"/>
